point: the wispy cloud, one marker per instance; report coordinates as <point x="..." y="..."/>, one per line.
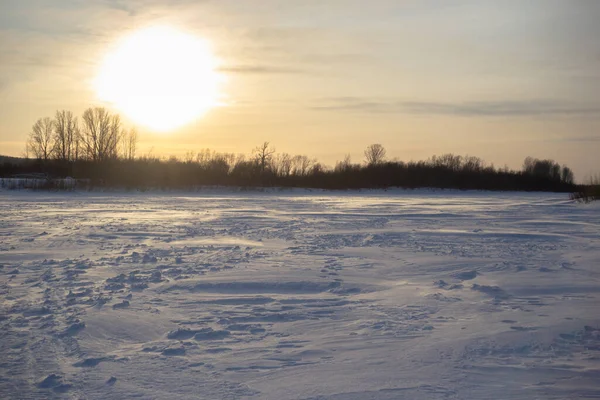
<point x="259" y="69"/>
<point x="466" y="109"/>
<point x="580" y="139"/>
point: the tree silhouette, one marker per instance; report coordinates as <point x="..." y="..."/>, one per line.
<point x="547" y="169"/>
<point x="100" y="134"/>
<point x="375" y="154"/>
<point x="282" y="164"/>
<point x="301" y="165"/>
<point x="66" y="136"/>
<point x="41" y="140"/>
<point x="263" y="155"/>
<point x="129" y="140"/>
<point x="567" y="175"/>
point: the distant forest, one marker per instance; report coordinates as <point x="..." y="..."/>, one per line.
<point x="97" y="152"/>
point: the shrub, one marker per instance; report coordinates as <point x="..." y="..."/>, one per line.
<point x="588" y="193"/>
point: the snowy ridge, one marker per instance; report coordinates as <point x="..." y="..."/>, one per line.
<point x="299" y="295"/>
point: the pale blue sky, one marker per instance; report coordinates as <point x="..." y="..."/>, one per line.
<point x="497" y="79"/>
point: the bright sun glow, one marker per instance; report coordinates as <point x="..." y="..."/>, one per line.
<point x="160" y="78"/>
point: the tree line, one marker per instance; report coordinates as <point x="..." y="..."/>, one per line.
<point x="99" y="137"/>
<point x="98" y="149"/>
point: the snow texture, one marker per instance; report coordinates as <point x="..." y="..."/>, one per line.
<point x="299" y="295"/>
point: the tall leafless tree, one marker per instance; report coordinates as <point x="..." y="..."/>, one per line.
<point x="129" y="141"/>
<point x="301" y="165"/>
<point x="41" y="141"/>
<point x="375" y="154"/>
<point x="100" y="134"/>
<point x="66" y="135"/>
<point x="263" y="155"/>
<point x="283" y="164"/>
<point x="189" y="156"/>
<point x="344" y="165"/>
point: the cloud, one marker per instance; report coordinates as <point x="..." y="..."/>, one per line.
<point x="136" y="7"/>
<point x="580" y="139"/>
<point x="259" y="69"/>
<point x="466" y="109"/>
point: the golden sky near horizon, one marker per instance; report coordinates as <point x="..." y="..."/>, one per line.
<point x="498" y="79"/>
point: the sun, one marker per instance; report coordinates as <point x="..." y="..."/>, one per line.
<point x="161" y="78"/>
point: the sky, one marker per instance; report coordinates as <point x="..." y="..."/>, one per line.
<point x="501" y="80"/>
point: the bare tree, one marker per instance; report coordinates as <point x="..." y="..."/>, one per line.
<point x="239" y="160"/>
<point x="204" y="156"/>
<point x="283" y="164"/>
<point x="66" y="133"/>
<point x="301" y="165"/>
<point x="129" y="141"/>
<point x="263" y="155"/>
<point x="473" y="164"/>
<point x="189" y="156"/>
<point x="77" y="145"/>
<point x="375" y="154"/>
<point x="100" y="134"/>
<point x="345" y="165"/>
<point x="41" y="142"/>
<point x="317" y="168"/>
<point x="229" y="159"/>
<point x="449" y="161"/>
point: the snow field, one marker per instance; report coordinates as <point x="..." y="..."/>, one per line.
<point x="298" y="295"/>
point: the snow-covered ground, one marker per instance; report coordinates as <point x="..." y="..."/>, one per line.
<point x="299" y="295"/>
